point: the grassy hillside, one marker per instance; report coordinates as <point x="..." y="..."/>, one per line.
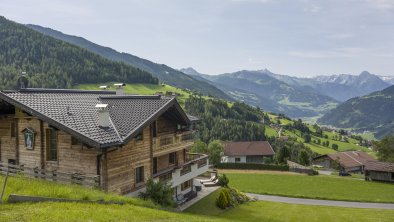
<point x="373" y="112"/>
<point x="352" y="144"/>
<point x="134" y="210"/>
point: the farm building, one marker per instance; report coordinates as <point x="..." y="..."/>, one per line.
<point x="349" y="161"/>
<point x="247" y="152"/>
<point x="379" y="171"/>
<point x="123" y="140"/>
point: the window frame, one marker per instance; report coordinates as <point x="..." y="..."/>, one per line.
<point x="172" y="158"/>
<point x="186" y="185"/>
<point x="139" y="177"/>
<point x="51" y="136"/>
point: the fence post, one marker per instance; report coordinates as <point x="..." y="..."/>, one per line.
<point x="5" y="183"/>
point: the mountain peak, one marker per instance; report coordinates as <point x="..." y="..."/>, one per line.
<point x="365" y="73"/>
<point x="190" y="71"/>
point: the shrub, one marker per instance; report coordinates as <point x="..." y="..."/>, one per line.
<point x="159" y="192"/>
<point x="252" y="166"/>
<point x="223" y="201"/>
<point x="223" y="180"/>
<point x="238" y="197"/>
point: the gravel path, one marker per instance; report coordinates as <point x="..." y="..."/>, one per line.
<point x="335" y="203"/>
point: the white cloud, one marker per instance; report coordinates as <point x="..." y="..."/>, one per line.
<point x="261" y="1"/>
<point x="382" y="4"/>
<point x="312" y="8"/>
<point x="334" y="53"/>
<point x="340" y="36"/>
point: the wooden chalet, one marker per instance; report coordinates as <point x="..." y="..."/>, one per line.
<point x="348" y="161"/>
<point x="122" y="139"/>
<point x="379" y="171"/>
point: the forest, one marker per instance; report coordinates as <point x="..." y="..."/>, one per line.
<point x="239" y="122"/>
<point x="51" y="63"/>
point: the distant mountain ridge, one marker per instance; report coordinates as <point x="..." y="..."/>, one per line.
<point x="163" y="72"/>
<point x="372" y="112"/>
<point x="340" y="87"/>
<point x="259" y="88"/>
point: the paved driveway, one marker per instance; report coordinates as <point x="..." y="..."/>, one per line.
<point x="321" y="202"/>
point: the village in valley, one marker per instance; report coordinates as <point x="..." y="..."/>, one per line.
<point x="89" y="133"/>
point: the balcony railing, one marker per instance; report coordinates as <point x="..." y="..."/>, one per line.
<point x="195" y="165"/>
<point x="169" y="140"/>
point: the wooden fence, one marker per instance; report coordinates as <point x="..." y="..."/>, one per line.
<point x="70" y="178"/>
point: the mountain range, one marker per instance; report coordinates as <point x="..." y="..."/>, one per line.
<point x="54" y="59"/>
<point x="373" y="112"/>
<point x="163" y="72"/>
<point x="261" y="89"/>
<point x="293" y="96"/>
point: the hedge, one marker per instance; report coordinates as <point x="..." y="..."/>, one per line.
<point x="252" y="166"/>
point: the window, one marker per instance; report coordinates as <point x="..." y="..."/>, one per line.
<point x="172" y="158"/>
<point x="237" y="159"/>
<point x="74" y="141"/>
<point x="154" y="129"/>
<point x="51" y="141"/>
<point x="139" y="175"/>
<point x="392" y="176"/>
<point x="186" y="185"/>
<point x="13" y="129"/>
<point x="139" y="136"/>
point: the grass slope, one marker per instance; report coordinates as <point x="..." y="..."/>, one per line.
<point x="134" y="209"/>
<point x="271" y="211"/>
<point x="320" y="187"/>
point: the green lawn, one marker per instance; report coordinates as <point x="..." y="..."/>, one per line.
<point x="134" y="210"/>
<point x="37" y="187"/>
<point x="321" y="187"/>
<point x="271" y="211"/>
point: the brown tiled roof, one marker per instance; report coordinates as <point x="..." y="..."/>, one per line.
<point x="252" y="148"/>
<point x="74" y="112"/>
<point x="379" y="166"/>
<point x="351" y="158"/>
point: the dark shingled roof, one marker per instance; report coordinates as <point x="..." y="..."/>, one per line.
<point x="379" y="166"/>
<point x="74" y="112"/>
<point x="252" y="148"/>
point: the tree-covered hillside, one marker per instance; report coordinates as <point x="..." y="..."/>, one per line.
<point x="52" y="63"/>
<point x="240" y="122"/>
<point x="163" y="72"/>
<point x="373" y="112"/>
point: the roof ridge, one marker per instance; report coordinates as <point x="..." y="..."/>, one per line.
<point x="131" y="97"/>
<point x="43" y="90"/>
<point x="352" y="158"/>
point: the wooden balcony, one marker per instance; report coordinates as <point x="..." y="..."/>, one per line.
<point x="195" y="165"/>
<point x="174" y="140"/>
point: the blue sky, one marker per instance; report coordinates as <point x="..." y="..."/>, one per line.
<point x="294" y="37"/>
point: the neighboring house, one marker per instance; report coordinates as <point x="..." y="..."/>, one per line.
<point x="349" y="161"/>
<point x="247" y="152"/>
<point x="124" y="139"/>
<point x="379" y="171"/>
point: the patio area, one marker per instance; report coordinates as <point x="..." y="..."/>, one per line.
<point x="205" y="191"/>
